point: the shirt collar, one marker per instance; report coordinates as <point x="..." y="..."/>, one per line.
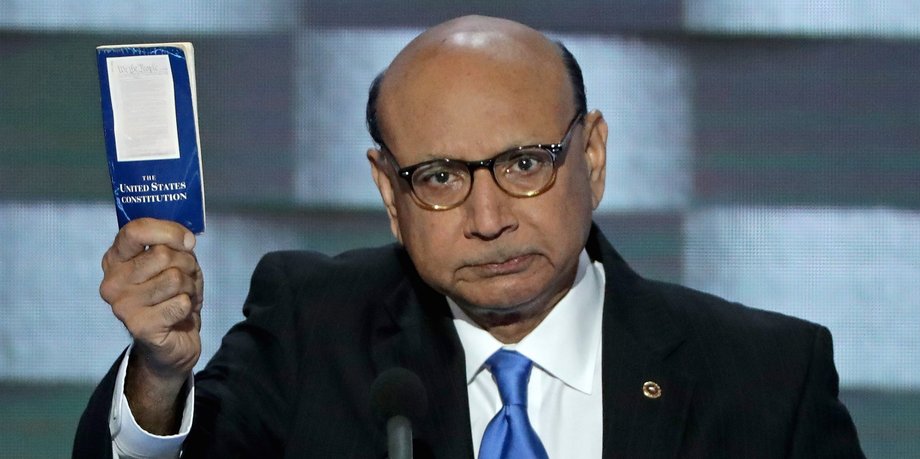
<point x="565" y="344"/>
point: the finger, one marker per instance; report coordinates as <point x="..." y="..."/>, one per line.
<point x="139" y="234"/>
<point x="166" y="285"/>
<point x="198" y="302"/>
<point x="152" y="324"/>
<point x="192" y="323"/>
<point x="174" y="311"/>
<point x="157" y="259"/>
<point x="129" y="301"/>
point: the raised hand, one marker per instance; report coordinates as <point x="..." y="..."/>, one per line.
<point x="154" y="285"/>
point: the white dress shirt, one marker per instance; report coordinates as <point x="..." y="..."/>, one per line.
<point x="564" y="393"/>
<point x="564" y="401"/>
<point x="129" y="440"/>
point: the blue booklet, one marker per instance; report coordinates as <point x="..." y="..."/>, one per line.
<point x="150" y="122"/>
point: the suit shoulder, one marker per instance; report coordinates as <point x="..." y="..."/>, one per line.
<point x="377" y="263"/>
<point x="711" y="317"/>
<point x="727" y="344"/>
<point x="294" y="279"/>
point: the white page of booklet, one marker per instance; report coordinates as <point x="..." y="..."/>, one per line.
<point x="143" y="108"/>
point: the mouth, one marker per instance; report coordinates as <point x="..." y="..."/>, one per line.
<point x="504" y="267"/>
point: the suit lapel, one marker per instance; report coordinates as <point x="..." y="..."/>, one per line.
<point x="639" y="343"/>
<point x="418" y="334"/>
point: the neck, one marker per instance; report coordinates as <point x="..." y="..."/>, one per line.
<point x="511" y="325"/>
<point x="515" y="332"/>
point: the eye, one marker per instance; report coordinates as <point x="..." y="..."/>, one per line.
<point x="526" y="162"/>
<point x="437" y="176"/>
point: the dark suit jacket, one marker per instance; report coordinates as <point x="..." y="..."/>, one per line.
<point x="293" y="379"/>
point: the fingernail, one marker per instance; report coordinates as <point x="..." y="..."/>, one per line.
<point x="189" y="241"/>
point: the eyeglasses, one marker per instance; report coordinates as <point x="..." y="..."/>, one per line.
<point x="522" y="172"/>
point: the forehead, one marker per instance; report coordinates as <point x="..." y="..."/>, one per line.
<point x="469" y="101"/>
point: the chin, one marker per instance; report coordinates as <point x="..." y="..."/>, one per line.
<point x="503" y="293"/>
<point x="492" y="316"/>
<point x="503" y="309"/>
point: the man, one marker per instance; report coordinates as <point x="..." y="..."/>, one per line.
<point x="489" y="167"/>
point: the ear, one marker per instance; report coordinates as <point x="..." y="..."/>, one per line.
<point x="596" y="154"/>
<point x="380" y="164"/>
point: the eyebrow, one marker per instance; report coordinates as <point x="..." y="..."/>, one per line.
<point x="431" y="157"/>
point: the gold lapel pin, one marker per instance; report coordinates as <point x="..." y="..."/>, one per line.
<point x="651" y="389"/>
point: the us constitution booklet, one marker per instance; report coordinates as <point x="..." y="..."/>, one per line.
<point x="150" y="123"/>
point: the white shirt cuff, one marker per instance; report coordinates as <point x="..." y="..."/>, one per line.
<point x="130" y="440"/>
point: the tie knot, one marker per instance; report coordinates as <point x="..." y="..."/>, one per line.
<point x="512" y="372"/>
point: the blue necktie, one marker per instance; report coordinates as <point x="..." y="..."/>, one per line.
<point x="509" y="435"/>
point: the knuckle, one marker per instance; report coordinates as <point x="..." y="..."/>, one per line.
<point x="190" y="263"/>
<point x="173" y="278"/>
<point x="176" y="310"/>
<point x="184" y="302"/>
<point x="108" y="290"/>
<point x="160" y="254"/>
<point x="150" y="260"/>
<point x="106" y="259"/>
<point x="126" y="235"/>
<point x="166" y="284"/>
<point x="119" y="236"/>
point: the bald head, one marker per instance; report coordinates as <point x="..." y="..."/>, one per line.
<point x="489" y="38"/>
<point x="491" y="96"/>
<point x="463" y="45"/>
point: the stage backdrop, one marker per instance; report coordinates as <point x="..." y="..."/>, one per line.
<point x="765" y="151"/>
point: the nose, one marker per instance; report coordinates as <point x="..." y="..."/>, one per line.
<point x="488" y="209"/>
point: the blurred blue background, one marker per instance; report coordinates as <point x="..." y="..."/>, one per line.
<point x="764" y="150"/>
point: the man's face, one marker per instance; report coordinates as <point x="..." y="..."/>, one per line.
<point x="498" y="256"/>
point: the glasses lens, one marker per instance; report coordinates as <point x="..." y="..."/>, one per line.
<point x="524" y="172"/>
<point x="441" y="183"/>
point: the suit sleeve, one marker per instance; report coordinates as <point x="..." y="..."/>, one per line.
<point x="246" y="393"/>
<point x="823" y="427"/>
<point x="93" y="439"/>
<point x="242" y="395"/>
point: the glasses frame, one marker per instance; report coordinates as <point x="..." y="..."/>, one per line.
<point x="556" y="152"/>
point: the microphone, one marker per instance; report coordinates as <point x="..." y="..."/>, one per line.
<point x="398" y="396"/>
